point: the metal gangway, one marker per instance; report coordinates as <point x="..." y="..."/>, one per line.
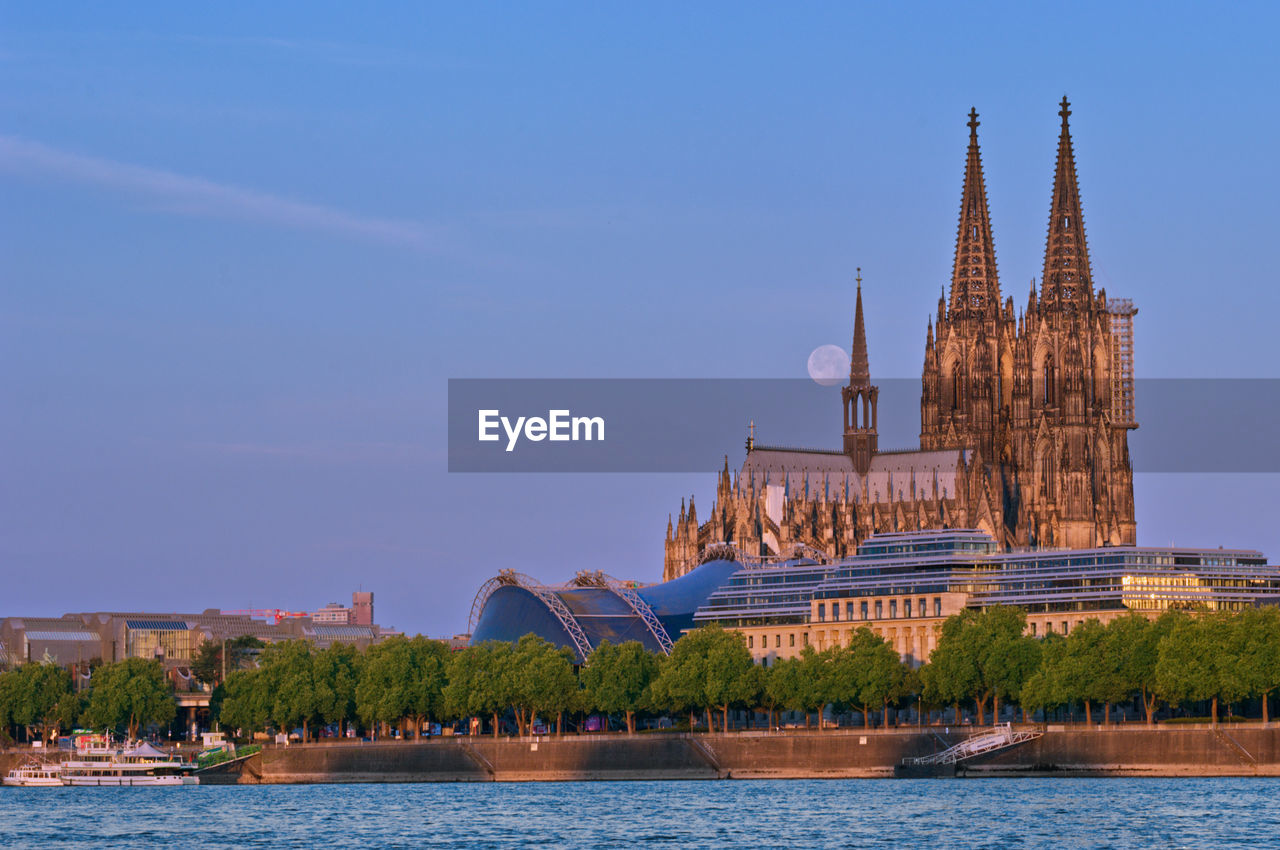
<point x="980" y="743"/>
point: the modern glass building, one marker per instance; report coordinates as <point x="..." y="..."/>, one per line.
<point x="900" y="585"/>
<point x="903" y="585"/>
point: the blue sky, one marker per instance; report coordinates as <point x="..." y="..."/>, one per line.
<point x="242" y="250"/>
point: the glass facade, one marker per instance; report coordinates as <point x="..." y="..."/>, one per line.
<point x="889" y="569"/>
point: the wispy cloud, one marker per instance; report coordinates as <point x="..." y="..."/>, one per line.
<point x="329" y="452"/>
<point x="199" y="196"/>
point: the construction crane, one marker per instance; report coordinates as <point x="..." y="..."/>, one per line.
<point x="273" y="614"/>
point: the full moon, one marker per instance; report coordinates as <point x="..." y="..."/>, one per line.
<point x="828" y="365"/>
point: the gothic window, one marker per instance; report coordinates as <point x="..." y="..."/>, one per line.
<point x="1048" y="382"/>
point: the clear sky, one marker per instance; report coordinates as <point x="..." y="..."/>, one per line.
<point x="243" y="247"/>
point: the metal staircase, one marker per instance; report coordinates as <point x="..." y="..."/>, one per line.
<point x="980" y="743"/>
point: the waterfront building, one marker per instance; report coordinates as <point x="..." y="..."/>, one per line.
<point x="902" y="586"/>
<point x="1024" y="416"/>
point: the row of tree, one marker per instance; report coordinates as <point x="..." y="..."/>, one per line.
<point x="126" y="696"/>
<point x="983" y="659"/>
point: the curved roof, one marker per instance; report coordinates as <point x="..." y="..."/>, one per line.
<point x="511" y="611"/>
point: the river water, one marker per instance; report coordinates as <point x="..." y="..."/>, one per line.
<point x="1023" y="812"/>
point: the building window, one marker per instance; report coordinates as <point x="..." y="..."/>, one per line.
<point x="835" y="612"/>
<point x="924" y="608"/>
<point x="1033" y="629"/>
<point x="906" y="608"/>
<point x="1064" y="627"/>
<point x="848" y="611"/>
<point x="1048" y="628"/>
<point x="806" y="638"/>
<point x="864" y="610"/>
<point x="893" y="609"/>
<point x="777" y="641"/>
<point x="937" y="606"/>
<point x="822" y="612"/>
<point x="751" y="642"/>
<point x="879" y="610"/>
<point x="793" y="638"/>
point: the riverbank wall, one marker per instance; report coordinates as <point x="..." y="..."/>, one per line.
<point x="1061" y="751"/>
<point x="1128" y="750"/>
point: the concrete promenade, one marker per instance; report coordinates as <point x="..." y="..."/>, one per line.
<point x="1118" y="750"/>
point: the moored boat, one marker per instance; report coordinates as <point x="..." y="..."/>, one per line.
<point x="97" y="764"/>
<point x="35" y="775"/>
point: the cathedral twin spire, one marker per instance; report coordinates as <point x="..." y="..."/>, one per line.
<point x="1066" y="277"/>
<point x="975" y="282"/>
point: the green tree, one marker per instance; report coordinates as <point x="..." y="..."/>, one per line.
<point x="1043" y="688"/>
<point x="1258" y="641"/>
<point x="335" y="673"/>
<point x="288" y="668"/>
<point x="38" y="696"/>
<point x="476" y="681"/>
<point x="539" y="678"/>
<point x="1133" y="642"/>
<point x="1197" y="663"/>
<point x="1089" y="670"/>
<point x="881" y="677"/>
<point x="617" y="678"/>
<point x="243" y="701"/>
<point x="791" y="686"/>
<point x="981" y="655"/>
<point x="208" y="662"/>
<point x="708" y="668"/>
<point x="402" y="682"/>
<point x="133" y="694"/>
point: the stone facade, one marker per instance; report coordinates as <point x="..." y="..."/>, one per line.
<point x="1023" y="418"/>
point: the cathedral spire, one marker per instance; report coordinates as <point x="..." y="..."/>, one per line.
<point x="859" y="397"/>
<point x="1066" y="278"/>
<point x="859" y="365"/>
<point x="975" y="284"/>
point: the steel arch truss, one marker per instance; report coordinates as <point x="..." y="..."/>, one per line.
<point x="547" y="596"/>
<point x="628" y="594"/>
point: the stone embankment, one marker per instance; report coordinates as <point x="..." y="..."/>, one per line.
<point x="1130" y="750"/>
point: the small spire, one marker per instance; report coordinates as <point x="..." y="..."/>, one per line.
<point x="751" y="442"/>
<point x="859" y="366"/>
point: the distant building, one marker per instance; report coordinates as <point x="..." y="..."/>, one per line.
<point x="362" y="608"/>
<point x="332" y="614"/>
<point x="174" y="639"/>
<point x="359" y="614"/>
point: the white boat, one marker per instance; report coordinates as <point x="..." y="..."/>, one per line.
<point x="35" y="775"/>
<point x="143" y="765"/>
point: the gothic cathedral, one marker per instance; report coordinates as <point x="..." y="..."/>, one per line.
<point x="1024" y="417"/>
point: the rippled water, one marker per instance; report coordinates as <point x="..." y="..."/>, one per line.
<point x="1024" y="812"/>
